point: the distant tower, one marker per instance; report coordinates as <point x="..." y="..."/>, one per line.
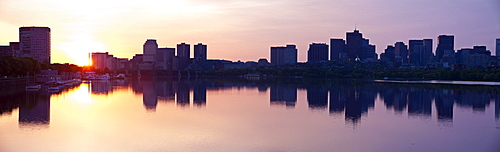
<point x="337" y="46"/>
<point x="416" y="50"/>
<point x="149" y="50"/>
<point x="354" y="44"/>
<point x="445" y="44"/>
<point x="35" y="42"/>
<point x="497" y="47"/>
<point x="401" y="50"/>
<point x="284" y="55"/>
<point x="200" y="52"/>
<point x="427" y="55"/>
<point x="317" y="52"/>
<point x="183" y="55"/>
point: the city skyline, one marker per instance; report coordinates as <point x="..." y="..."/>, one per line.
<point x="121" y="28"/>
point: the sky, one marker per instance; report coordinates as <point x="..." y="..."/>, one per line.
<point x="241" y="29"/>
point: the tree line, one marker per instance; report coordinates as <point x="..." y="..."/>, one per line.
<point x="407" y="74"/>
<point x="27" y="66"/>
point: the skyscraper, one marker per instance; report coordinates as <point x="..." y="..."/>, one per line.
<point x="401" y="50"/>
<point x="354" y="44"/>
<point x="200" y="52"/>
<point x="183" y="55"/>
<point x="445" y="44"/>
<point x="149" y="50"/>
<point x="35" y="42"/>
<point x="416" y="50"/>
<point x="427" y="55"/>
<point x="317" y="52"/>
<point x="497" y="47"/>
<point x="165" y="58"/>
<point x="337" y="46"/>
<point x="284" y="55"/>
<point x="368" y="50"/>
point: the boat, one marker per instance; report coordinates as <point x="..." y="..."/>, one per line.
<point x="53" y="88"/>
<point x="33" y="87"/>
<point x="120" y="76"/>
<point x="103" y="77"/>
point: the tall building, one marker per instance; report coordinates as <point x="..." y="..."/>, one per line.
<point x="165" y="58"/>
<point x="317" y="52"/>
<point x="5" y="50"/>
<point x="337" y="46"/>
<point x="497" y="47"/>
<point x="14" y="47"/>
<point x="183" y="55"/>
<point x="99" y="60"/>
<point x="416" y="51"/>
<point x="284" y="55"/>
<point x="354" y="44"/>
<point x="401" y="50"/>
<point x="35" y="42"/>
<point x="200" y="52"/>
<point x="149" y="50"/>
<point x="445" y="45"/>
<point x="368" y="51"/>
<point x="427" y="54"/>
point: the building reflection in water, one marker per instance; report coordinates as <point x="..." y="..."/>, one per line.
<point x="282" y="95"/>
<point x="352" y="101"/>
<point x="36" y="109"/>
<point x="200" y="94"/>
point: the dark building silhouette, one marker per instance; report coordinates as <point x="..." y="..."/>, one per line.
<point x="200" y="52"/>
<point x="427" y="54"/>
<point x="183" y="55"/>
<point x="497" y="47"/>
<point x="354" y="44"/>
<point x="165" y="58"/>
<point x="368" y="51"/>
<point x="317" y="52"/>
<point x="416" y="51"/>
<point x="445" y="45"/>
<point x="389" y="54"/>
<point x="281" y="55"/>
<point x="337" y="46"/>
<point x="401" y="51"/>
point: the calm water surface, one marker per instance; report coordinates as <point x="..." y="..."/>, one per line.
<point x="251" y="115"/>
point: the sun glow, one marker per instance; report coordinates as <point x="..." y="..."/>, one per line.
<point x="81" y="95"/>
<point x="79" y="46"/>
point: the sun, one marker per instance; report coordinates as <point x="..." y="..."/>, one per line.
<point x="79" y="46"/>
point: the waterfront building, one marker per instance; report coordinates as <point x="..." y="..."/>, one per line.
<point x="317" y="52"/>
<point x="200" y="52"/>
<point x="445" y="45"/>
<point x="337" y="46"/>
<point x="284" y="55"/>
<point x="183" y="55"/>
<point x="354" y="44"/>
<point x="401" y="50"/>
<point x="427" y="54"/>
<point x="416" y="51"/>
<point x="165" y="58"/>
<point x="149" y="50"/>
<point x="35" y="42"/>
<point x="497" y="47"/>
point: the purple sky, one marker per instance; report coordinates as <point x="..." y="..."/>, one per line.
<point x="244" y="30"/>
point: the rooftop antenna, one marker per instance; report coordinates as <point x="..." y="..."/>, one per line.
<point x="355" y="28"/>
